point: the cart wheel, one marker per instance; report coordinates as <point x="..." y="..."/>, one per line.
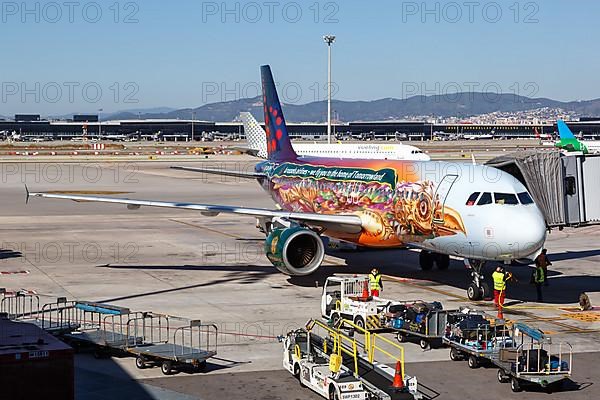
<point x="401" y="337"/>
<point x="201" y="366"/>
<point x="297" y="374"/>
<point x="360" y="322"/>
<point x="424" y="344"/>
<point x="335" y="319"/>
<point x="455" y="354"/>
<point x="166" y="367"/>
<point x="473" y="362"/>
<point x="502" y="377"/>
<point x="333" y="395"/>
<point x="515" y="385"/>
<point x="140" y="362"/>
<point x="100" y="353"/>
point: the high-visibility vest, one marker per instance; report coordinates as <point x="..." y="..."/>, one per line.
<point x="539" y="275"/>
<point x="375" y="281"/>
<point x="499" y="282"/>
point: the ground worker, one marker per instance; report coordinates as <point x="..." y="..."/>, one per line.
<point x="375" y="282"/>
<point x="584" y="302"/>
<point x="539" y="278"/>
<point x="542" y="261"/>
<point x="500" y="277"/>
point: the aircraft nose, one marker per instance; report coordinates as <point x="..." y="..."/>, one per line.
<point x="529" y="234"/>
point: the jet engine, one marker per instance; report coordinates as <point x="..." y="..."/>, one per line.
<point x="295" y="251"/>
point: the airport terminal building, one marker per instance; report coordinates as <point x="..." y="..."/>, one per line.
<point x="32" y="126"/>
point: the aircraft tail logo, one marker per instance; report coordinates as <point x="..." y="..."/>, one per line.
<point x="279" y="147"/>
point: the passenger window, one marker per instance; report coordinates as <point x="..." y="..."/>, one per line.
<point x="505" y="198"/>
<point x="472" y="199"/>
<point x="485" y="198"/>
<point x="525" y="198"/>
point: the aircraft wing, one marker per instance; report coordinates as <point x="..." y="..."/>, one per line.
<point x="338" y="223"/>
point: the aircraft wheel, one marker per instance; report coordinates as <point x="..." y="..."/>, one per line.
<point x="442" y="261"/>
<point x="485" y="290"/>
<point x="473" y="292"/>
<point x="426" y="260"/>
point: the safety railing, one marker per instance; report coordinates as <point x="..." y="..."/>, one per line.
<point x="355" y="286"/>
<point x="20" y="306"/>
<point x="148" y="328"/>
<point x="544" y="359"/>
<point x="338" y="338"/>
<point x="194" y="338"/>
<point x="59" y="315"/>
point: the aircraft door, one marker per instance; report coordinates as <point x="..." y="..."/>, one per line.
<point x="441" y="193"/>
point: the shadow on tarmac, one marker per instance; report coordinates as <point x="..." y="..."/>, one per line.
<point x="396" y="263"/>
<point x="6" y="254"/>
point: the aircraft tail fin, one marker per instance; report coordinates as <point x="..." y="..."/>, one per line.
<point x="255" y="135"/>
<point x="564" y="131"/>
<point x="279" y="146"/>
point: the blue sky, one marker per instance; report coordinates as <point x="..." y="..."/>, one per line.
<point x="114" y="55"/>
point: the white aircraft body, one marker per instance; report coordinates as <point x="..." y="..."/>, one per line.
<point x="256" y="137"/>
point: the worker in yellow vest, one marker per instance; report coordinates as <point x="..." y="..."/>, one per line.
<point x="375" y="283"/>
<point x="500" y="277"/>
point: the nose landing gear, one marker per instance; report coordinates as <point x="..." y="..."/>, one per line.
<point x="478" y="289"/>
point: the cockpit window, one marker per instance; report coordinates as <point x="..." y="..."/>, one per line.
<point x="472" y="199"/>
<point x="525" y="198"/>
<point x="505" y="198"/>
<point x="485" y="198"/>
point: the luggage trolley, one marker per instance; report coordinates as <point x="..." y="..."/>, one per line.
<point x="533" y="360"/>
<point x="427" y="325"/>
<point x="152" y="339"/>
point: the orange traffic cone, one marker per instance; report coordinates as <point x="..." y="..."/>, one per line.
<point x="365" y="293"/>
<point x="398" y="383"/>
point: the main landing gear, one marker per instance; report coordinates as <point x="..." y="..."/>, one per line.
<point x="428" y="258"/>
<point x="478" y="289"/>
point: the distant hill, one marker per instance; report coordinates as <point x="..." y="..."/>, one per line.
<point x="458" y="105"/>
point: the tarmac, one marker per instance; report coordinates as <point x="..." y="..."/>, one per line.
<point x="181" y="263"/>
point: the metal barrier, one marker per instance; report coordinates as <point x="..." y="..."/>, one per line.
<point x="20" y="306"/>
<point x="58" y="315"/>
<point x="147" y="328"/>
<point x="338" y="342"/>
<point x="195" y="338"/>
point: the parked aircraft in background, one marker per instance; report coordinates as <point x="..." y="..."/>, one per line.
<point x="569" y="142"/>
<point x="257" y="142"/>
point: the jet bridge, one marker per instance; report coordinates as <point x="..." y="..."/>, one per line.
<point x="566" y="187"/>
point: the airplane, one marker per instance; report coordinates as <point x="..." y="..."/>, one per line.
<point x="569" y="142"/>
<point x="256" y="137"/>
<point x="478" y="137"/>
<point x="475" y="212"/>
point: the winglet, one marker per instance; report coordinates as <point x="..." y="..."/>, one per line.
<point x="26" y="194"/>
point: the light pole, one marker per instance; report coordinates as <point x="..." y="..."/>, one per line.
<point x="329" y="39"/>
<point x="193" y="118"/>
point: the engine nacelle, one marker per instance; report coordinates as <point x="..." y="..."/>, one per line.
<point x="295" y="251"/>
